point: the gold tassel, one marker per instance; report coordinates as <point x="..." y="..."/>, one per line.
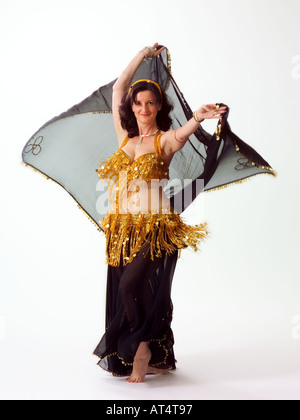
<point x="165" y="232"/>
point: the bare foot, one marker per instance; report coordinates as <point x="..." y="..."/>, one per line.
<point x="140" y="364"/>
<point x="155" y="371"/>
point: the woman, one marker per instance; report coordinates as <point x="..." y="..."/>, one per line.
<point x="143" y="232"/>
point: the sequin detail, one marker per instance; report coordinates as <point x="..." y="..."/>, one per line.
<point x="127" y="232"/>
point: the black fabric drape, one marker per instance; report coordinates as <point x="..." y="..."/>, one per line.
<point x="139" y="308"/>
<point x="68" y="148"/>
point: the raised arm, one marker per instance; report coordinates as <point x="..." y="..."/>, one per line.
<point x="176" y="139"/>
<point x="123" y="84"/>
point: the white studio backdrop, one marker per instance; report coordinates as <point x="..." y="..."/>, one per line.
<point x="236" y="305"/>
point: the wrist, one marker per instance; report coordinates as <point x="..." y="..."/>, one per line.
<point x="147" y="53"/>
<point x="143" y="53"/>
<point x="196" y="118"/>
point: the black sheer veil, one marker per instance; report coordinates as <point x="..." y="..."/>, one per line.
<point x="68" y="148"/>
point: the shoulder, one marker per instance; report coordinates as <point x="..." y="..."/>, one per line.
<point x="122" y="138"/>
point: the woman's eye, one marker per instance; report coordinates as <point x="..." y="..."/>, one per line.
<point x="149" y="103"/>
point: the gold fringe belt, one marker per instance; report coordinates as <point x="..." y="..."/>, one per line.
<point x="127" y="233"/>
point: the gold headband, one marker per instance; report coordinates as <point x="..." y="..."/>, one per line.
<point x="148" y="81"/>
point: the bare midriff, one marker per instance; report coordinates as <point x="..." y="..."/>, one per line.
<point x="144" y="196"/>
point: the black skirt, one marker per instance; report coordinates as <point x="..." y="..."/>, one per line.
<point x="139" y="308"/>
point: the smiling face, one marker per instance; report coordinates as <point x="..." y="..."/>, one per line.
<point x="145" y="107"/>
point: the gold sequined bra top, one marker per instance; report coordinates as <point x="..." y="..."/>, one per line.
<point x="126" y="231"/>
<point x="147" y="166"/>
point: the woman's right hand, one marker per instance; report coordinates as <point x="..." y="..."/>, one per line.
<point x="210" y="111"/>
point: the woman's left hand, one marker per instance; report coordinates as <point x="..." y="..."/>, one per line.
<point x="210" y="111"/>
<point x="156" y="51"/>
<point x="151" y="52"/>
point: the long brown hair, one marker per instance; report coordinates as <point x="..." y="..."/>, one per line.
<point x="128" y="119"/>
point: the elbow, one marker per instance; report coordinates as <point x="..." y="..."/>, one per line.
<point x="180" y="137"/>
<point x="118" y="86"/>
<point x="119" y="90"/>
<point x="177" y="142"/>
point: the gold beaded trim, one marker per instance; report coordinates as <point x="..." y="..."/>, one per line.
<point x="169" y="61"/>
<point x="169" y="64"/>
<point x="273" y="172"/>
<point x="160" y="340"/>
